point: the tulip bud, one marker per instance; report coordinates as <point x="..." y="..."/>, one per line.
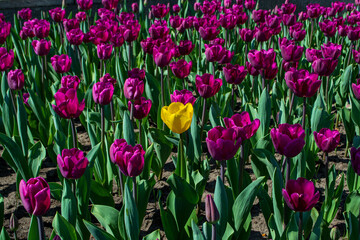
<point x="141" y="108"/>
<point x="133" y="88"/>
<point x="211" y="211"/>
<point x="72" y="163"/>
<point x="41" y="47"/>
<point x="14" y="223"/>
<point x="67" y="104"/>
<point x="61" y="63"/>
<point x="103" y="92"/>
<point x="335" y="233"/>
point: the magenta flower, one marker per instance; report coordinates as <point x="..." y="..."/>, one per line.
<point x="57" y="14"/>
<point x="15" y="79"/>
<point x="242" y="124"/>
<point x="72" y="163"/>
<point x="147" y="45"/>
<point x="288" y="139"/>
<point x="181" y="69"/>
<point x="129" y="159"/>
<point x="85" y="4"/>
<point x="142" y="107"/>
<point x="185" y="47"/>
<point x="110" y="4"/>
<point x="158" y="31"/>
<point x="252" y="71"/>
<point x="263" y="33"/>
<point x="259" y="15"/>
<point x="222" y="143"/>
<point x="261" y="59"/>
<point x="331" y="50"/>
<point x="67" y="104"/>
<point x="297" y="32"/>
<point x="35" y="196"/>
<point x="250" y="4"/>
<point x="6" y="59"/>
<point x="61" y="64"/>
<point x="211" y="212"/>
<point x="70" y="24"/>
<point x="328" y="27"/>
<point x="302" y="83"/>
<point x="69" y="81"/>
<point x="208" y="8"/>
<point x="104" y="51"/>
<point x="353" y="33"/>
<point x="25" y="14"/>
<point x="176" y="8"/>
<point x="228" y="21"/>
<point x="5" y="28"/>
<point x="300" y="195"/>
<point x="327" y="140"/>
<point x="234" y="74"/>
<point x="162" y="55"/>
<point x="41" y="28"/>
<point x="291" y="52"/>
<point x="80" y="16"/>
<point x="214" y="53"/>
<point x="75" y="36"/>
<point x="137" y="73"/>
<point x="356" y="89"/>
<point x="271" y="71"/>
<point x="41" y="47"/>
<point x="356" y="55"/>
<point x="184" y="96"/>
<point x="208" y="33"/>
<point x="133" y="88"/>
<point x="117" y="39"/>
<point x="159" y="10"/>
<point x="313" y="10"/>
<point x="102" y="92"/>
<point x="108" y="79"/>
<point x="26" y="98"/>
<point x="313" y="54"/>
<point x="207" y="85"/>
<point x="247" y="35"/>
<point x="355" y="159"/>
<point x="226" y="57"/>
<point x="324" y="66"/>
<point x="135" y="7"/>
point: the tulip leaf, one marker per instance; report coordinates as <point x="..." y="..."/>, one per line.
<point x="145" y="186"/>
<point x="153" y="236"/>
<point x="264" y="112"/>
<point x="92" y="154"/>
<point x="168" y="221"/>
<point x="108" y="218"/>
<point x="37" y="154"/>
<point x="68" y="203"/>
<point x="221" y="202"/>
<point x="346" y="79"/>
<point x="97" y="232"/>
<point x="182" y="189"/>
<point x="353" y="180"/>
<point x="8" y="114"/>
<point x="148" y="158"/>
<point x="128" y="129"/>
<point x="99" y="195"/>
<point x="131" y="215"/>
<point x="4" y="235"/>
<point x="214" y="115"/>
<point x="277" y="199"/>
<point x="33" y="233"/>
<point x="197" y="235"/>
<point x="16" y="154"/>
<point x="292" y="228"/>
<point x="244" y="202"/>
<point x="56" y="190"/>
<point x="320" y="118"/>
<point x="63" y="228"/>
<point x="22" y="125"/>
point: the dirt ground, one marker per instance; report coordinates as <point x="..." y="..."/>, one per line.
<point x="152" y="220"/>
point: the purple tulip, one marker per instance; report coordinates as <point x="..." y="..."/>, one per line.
<point x="234" y="74"/>
<point x="303" y="16"/>
<point x="108" y="79"/>
<point x="222" y="143"/>
<point x="184" y="96"/>
<point x="228" y="21"/>
<point x="313" y="10"/>
<point x="313" y="54"/>
<point x="35" y="196"/>
<point x="226" y="57"/>
<point x="328" y="27"/>
<point x="197" y="6"/>
<point x="6" y="59"/>
<point x="181" y="69"/>
<point x="207" y="85"/>
<point x="288" y="8"/>
<point x="176" y="8"/>
<point x="242" y="124"/>
<point x="353" y="33"/>
<point x="133" y="88"/>
<point x="57" y="14"/>
<point x="175" y="21"/>
<point x="291" y="52"/>
<point x="247" y="35"/>
<point x="208" y="8"/>
<point x="137" y="73"/>
<point x="15" y="79"/>
<point x="356" y="89"/>
<point x="355" y="159"/>
<point x="327" y="140"/>
<point x="85" y="4"/>
<point x="125" y="16"/>
<point x="75" y="36"/>
<point x="252" y="71"/>
<point x="209" y="33"/>
<point x="158" y="31"/>
<point x="41" y="28"/>
<point x="331" y="50"/>
<point x="129" y="159"/>
<point x="102" y="93"/>
<point x="261" y="59"/>
<point x="147" y="45"/>
<point x="289" y="19"/>
<point x="162" y="55"/>
<point x="300" y="195"/>
<point x="250" y="4"/>
<point x="5" y="28"/>
<point x="26" y="98"/>
<point x="135" y="7"/>
<point x="185" y="47"/>
<point x="41" y="47"/>
<point x="214" y="53"/>
<point x="288" y="139"/>
<point x="104" y="51"/>
<point x="159" y="10"/>
<point x="25" y="14"/>
<point x="67" y="103"/>
<point x="61" y="64"/>
<point x="324" y="66"/>
<point x="72" y="163"/>
<point x="297" y="32"/>
<point x="80" y="16"/>
<point x="69" y="81"/>
<point x="117" y="39"/>
<point x="211" y="211"/>
<point x="272" y="21"/>
<point x="271" y="71"/>
<point x="142" y="107"/>
<point x="106" y="14"/>
<point x="302" y="83"/>
<point x="110" y="4"/>
<point x="259" y="15"/>
<point x="263" y="33"/>
<point x="343" y="30"/>
<point x="356" y="55"/>
<point x="217" y="41"/>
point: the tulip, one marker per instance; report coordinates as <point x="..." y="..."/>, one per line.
<point x="184" y="96"/>
<point x="177" y="116"/>
<point x="288" y="139"/>
<point x="57" y="14"/>
<point x="226" y="57"/>
<point x="72" y="163"/>
<point x="270" y="72"/>
<point x="6" y="59"/>
<point x="353" y="33"/>
<point x="228" y="21"/>
<point x="197" y="6"/>
<point x="176" y="8"/>
<point x="35" y="196"/>
<point x="129" y="159"/>
<point x="5" y="28"/>
<point x="135" y="7"/>
<point x="85" y="4"/>
<point x="356" y="89"/>
<point x="42" y="28"/>
<point x="247" y="35"/>
<point x="356" y="55"/>
<point x="207" y="85"/>
<point x="291" y="52"/>
<point x="355" y="159"/>
<point x="208" y="33"/>
<point x="26" y="98"/>
<point x="217" y="41"/>
<point x="327" y="140"/>
<point x="303" y="16"/>
<point x="102" y="92"/>
<point x="331" y="50"/>
<point x="108" y="79"/>
<point x="343" y="30"/>
<point x="70" y="82"/>
<point x="147" y="45"/>
<point x="75" y="36"/>
<point x="104" y="51"/>
<point x="313" y="10"/>
<point x="61" y="63"/>
<point x="162" y="55"/>
<point x="80" y="16"/>
<point x="25" y="14"/>
<point x="133" y="88"/>
<point x="208" y="8"/>
<point x="234" y="74"/>
<point x="181" y="69"/>
<point x="250" y="4"/>
<point x="159" y="10"/>
<point x="313" y="54"/>
<point x="242" y="124"/>
<point x="288" y="8"/>
<point x="137" y="73"/>
<point x="110" y="4"/>
<point x="324" y="66"/>
<point x="41" y="47"/>
<point x="117" y="39"/>
<point x="261" y="59"/>
<point x="16" y="79"/>
<point x="125" y="16"/>
<point x="71" y="24"/>
<point x="175" y="21"/>
<point x="67" y="104"/>
<point x="272" y="21"/>
<point x="13" y="223"/>
<point x="302" y="83"/>
<point x="106" y="14"/>
<point x="252" y="71"/>
<point x="211" y="211"/>
<point x="185" y="47"/>
<point x="300" y="195"/>
<point x="328" y="27"/>
<point x="141" y="108"/>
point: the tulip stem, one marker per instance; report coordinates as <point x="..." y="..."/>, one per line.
<point x="43" y="78"/>
<point x="213" y="232"/>
<point x="199" y="46"/>
<point x="129" y="56"/>
<point x="288" y="169"/>
<point x="291" y="105"/>
<point x="131" y="110"/>
<point x="13" y="102"/>
<point x="203" y="118"/>
<point x="102" y="127"/>
<point x="162" y="92"/>
<point x="181" y="163"/>
<point x="326" y="175"/>
<point x="79" y="57"/>
<point x="304" y="113"/>
<point x="300" y="226"/>
<point x="213" y="69"/>
<point x="73" y="131"/>
<point x="134" y="189"/>
<point x="222" y="171"/>
<point x="263" y="79"/>
<point x="328" y="104"/>
<point x="139" y="131"/>
<point x="232" y="99"/>
<point x="112" y="114"/>
<point x="41" y="228"/>
<point x="241" y="166"/>
<point x="311" y="33"/>
<point x="351" y="47"/>
<point x="121" y="183"/>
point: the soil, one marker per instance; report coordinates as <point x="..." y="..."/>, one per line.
<point x="152" y="220"/>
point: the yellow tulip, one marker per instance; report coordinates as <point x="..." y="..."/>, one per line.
<point x="177" y="116"/>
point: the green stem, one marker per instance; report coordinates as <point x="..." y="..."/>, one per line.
<point x="304" y="114"/>
<point x="73" y="130"/>
<point x="102" y="127"/>
<point x="41" y="228"/>
<point x="300" y="226"/>
<point x="326" y="176"/>
<point x="213" y="232"/>
<point x="203" y="119"/>
<point x="222" y="171"/>
<point x="181" y="159"/>
<point x="121" y="183"/>
<point x="134" y="189"/>
<point x="241" y="167"/>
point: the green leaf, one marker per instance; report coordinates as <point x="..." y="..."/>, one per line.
<point x="155" y="235"/>
<point x="98" y="233"/>
<point x="63" y="228"/>
<point x="144" y="188"/>
<point x="68" y="204"/>
<point x="37" y="154"/>
<point x="292" y="228"/>
<point x="33" y="233"/>
<point x="345" y="82"/>
<point x="197" y="235"/>
<point x="182" y="189"/>
<point x="221" y="202"/>
<point x="264" y="112"/>
<point x="22" y="125"/>
<point x="56" y="190"/>
<point x="99" y="195"/>
<point x="4" y="235"/>
<point x="131" y="215"/>
<point x="108" y="218"/>
<point x="128" y="129"/>
<point x="168" y="221"/>
<point x="353" y="203"/>
<point x="92" y="154"/>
